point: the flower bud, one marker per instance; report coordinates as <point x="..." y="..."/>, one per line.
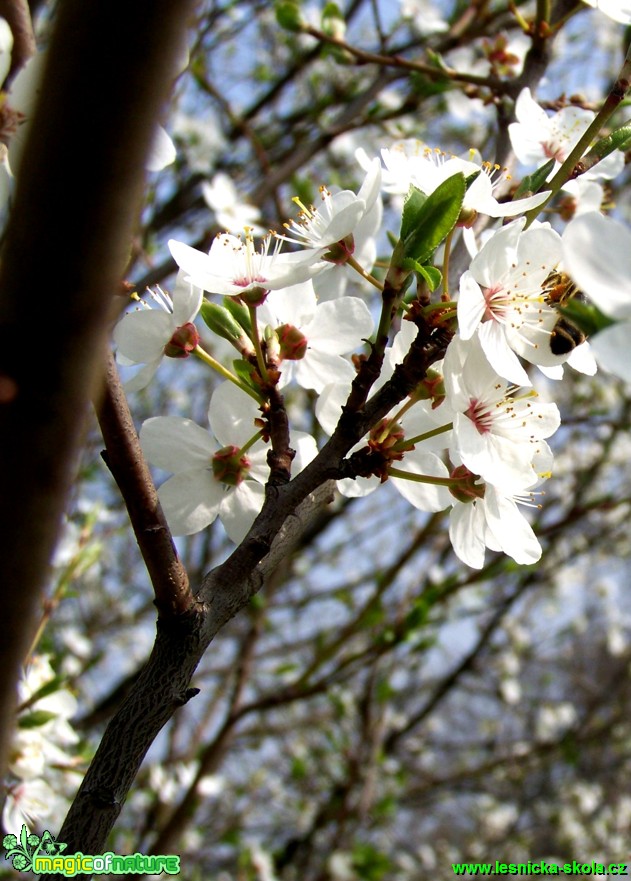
<point x="183" y="341"/>
<point x="238" y="312"/>
<point x="221" y="322"/>
<point x="432" y="388"/>
<point x="293" y="343"/>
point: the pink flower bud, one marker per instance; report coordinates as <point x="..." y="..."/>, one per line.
<point x="293" y="343"/>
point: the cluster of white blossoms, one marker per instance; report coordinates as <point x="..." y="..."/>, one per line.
<point x="41" y="757"/>
<point x="471" y="435"/>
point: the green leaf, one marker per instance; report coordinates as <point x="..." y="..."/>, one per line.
<point x="245" y="371"/>
<point x="533" y="182"/>
<point x="427" y="87"/>
<point x="427" y="223"/>
<point x="471" y="178"/>
<point x="431" y="274"/>
<point x="36" y="719"/>
<point x="47" y="688"/>
<point x="239" y="312"/>
<point x="288" y="16"/>
<point x="412" y="205"/>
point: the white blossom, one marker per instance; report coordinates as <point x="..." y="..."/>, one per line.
<point x="321" y="334"/>
<point x="617" y="10"/>
<point x="234" y="266"/>
<point x="537" y="137"/>
<point x="337" y="216"/>
<point x="232" y="213"/>
<point x="502" y="294"/>
<point x="495" y="432"/>
<point x="597" y="256"/>
<point x="197" y="494"/>
<point x="411" y="162"/>
<point x="141" y="336"/>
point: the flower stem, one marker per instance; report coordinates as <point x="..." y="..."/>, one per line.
<point x="425" y="436"/>
<point x="260" y="360"/>
<point x="365" y="275"/>
<point x="227" y="374"/>
<point x="424" y="478"/>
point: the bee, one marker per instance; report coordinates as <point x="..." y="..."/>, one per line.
<point x="558" y="289"/>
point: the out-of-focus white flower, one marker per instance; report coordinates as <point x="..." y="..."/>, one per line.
<point x="232" y="213"/>
<point x="39" y="762"/>
<point x="424" y="16"/>
<point x="618" y="10"/>
<point x="411" y="162"/>
<point x="262" y="863"/>
<point x="597" y="256"/>
<point x="553" y="720"/>
<point x="200" y="141"/>
<point x="537" y="137"/>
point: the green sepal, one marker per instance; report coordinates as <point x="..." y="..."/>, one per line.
<point x="585" y="316"/>
<point x="220" y="321"/>
<point x="245" y="372"/>
<point x="239" y="312"/>
<point x="533" y="182"/>
<point x="428" y="221"/>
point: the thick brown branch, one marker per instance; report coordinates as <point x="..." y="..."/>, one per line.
<point x="70" y="227"/>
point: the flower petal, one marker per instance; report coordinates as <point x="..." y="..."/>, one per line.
<point x="176" y="444"/>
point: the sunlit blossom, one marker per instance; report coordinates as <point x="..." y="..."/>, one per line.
<point x="234" y="266"/>
<point x="411" y="162"/>
<point x="326" y="331"/>
<point x="537" y="137"/>
<point x="142" y="335"/>
<point x="496" y="430"/>
<point x="597" y="255"/>
<point x="197" y="494"/>
<point x="337" y="215"/>
<point x="502" y="293"/>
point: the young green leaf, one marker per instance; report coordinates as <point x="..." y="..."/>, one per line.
<point x="426" y="223"/>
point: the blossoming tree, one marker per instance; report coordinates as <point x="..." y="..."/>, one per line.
<point x="379" y="432"/>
